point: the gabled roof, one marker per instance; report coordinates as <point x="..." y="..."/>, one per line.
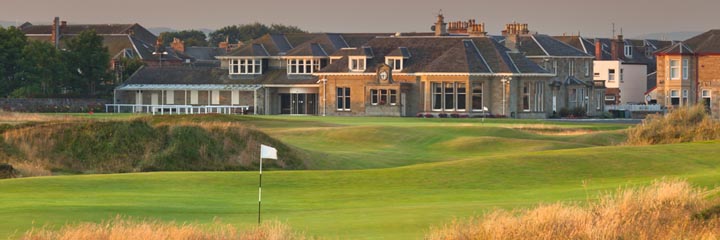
<point x="705" y="43"/>
<point x="135" y="30"/>
<point x="554" y="47"/>
<point x="400" y="52"/>
<point x="442" y="55"/>
<point x="677" y="49"/>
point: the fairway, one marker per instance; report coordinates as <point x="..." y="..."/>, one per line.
<point x="373" y="178"/>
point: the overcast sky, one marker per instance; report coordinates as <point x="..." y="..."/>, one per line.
<point x="591" y="18"/>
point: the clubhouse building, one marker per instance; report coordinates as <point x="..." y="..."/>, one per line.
<point x="458" y="70"/>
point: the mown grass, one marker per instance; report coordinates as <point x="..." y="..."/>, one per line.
<point x="394" y="203"/>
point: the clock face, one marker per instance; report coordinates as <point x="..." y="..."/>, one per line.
<point x="383" y="75"/>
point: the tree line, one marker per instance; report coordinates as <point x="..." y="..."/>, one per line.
<point x="38" y="69"/>
<point x="232" y="33"/>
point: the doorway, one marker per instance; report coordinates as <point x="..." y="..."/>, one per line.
<point x="298" y="103"/>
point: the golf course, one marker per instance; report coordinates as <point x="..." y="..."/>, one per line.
<point x="363" y="177"/>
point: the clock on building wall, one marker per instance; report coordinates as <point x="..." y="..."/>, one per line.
<point x="384" y="74"/>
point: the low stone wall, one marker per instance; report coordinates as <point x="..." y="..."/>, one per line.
<point x="49" y="105"/>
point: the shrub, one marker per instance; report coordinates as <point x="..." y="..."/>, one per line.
<point x="125" y="228"/>
<point x="429" y="115"/>
<point x="7" y="171"/>
<point x="663" y="210"/>
<point x="685" y="124"/>
<point x="578" y="112"/>
<point x="442" y="115"/>
<point x="454" y="115"/>
<point x="564" y="112"/>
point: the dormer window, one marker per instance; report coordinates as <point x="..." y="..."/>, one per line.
<point x="357" y="64"/>
<point x="628" y="51"/>
<point x="245" y="66"/>
<point x="396" y="63"/>
<point x="303" y="65"/>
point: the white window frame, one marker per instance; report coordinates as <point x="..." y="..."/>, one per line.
<point x="245" y="66"/>
<point x="674" y="93"/>
<point x="685" y="69"/>
<point x="434" y="92"/>
<point x="539" y="97"/>
<point x="526" y="97"/>
<point x="685" y="97"/>
<point x="706" y="93"/>
<point x="391" y="62"/>
<point x="622" y="75"/>
<point x="674" y="69"/>
<point x="393" y="98"/>
<point x="345" y="96"/>
<point x="360" y="66"/>
<point x="587" y="68"/>
<point x="480" y="94"/>
<point x="628" y="51"/>
<point x="611" y="74"/>
<point x="456" y="95"/>
<point x="298" y="66"/>
<point x="610" y="98"/>
<point x="374" y="97"/>
<point x="571" y="67"/>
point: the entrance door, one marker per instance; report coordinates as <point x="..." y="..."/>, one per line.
<point x="285" y="105"/>
<point x="299" y="103"/>
<point x="311" y="104"/>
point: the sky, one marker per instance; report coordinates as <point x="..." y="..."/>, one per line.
<point x="556" y="17"/>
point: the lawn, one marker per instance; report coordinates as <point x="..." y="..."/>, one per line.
<point x="373" y="178"/>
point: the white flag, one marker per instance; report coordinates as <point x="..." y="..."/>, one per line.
<point x="268" y="152"/>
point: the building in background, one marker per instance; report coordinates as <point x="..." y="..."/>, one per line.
<point x="689" y="73"/>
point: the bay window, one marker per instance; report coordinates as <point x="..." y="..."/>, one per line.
<point x="449" y="96"/>
<point x="383" y="97"/>
<point x="674" y="69"/>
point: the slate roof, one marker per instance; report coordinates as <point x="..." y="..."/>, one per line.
<point x="101" y="29"/>
<point x="705" y="43"/>
<point x="678" y="48"/>
<point x="400" y="52"/>
<point x="554" y="47"/>
<point x="204" y="53"/>
<point x="432" y="54"/>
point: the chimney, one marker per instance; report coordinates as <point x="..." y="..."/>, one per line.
<point x="618" y="48"/>
<point x="512" y="34"/>
<point x="63" y="25"/>
<point x="55" y="34"/>
<point x="178" y="45"/>
<point x="598" y="50"/>
<point x="441" y="26"/>
<point x="476" y="29"/>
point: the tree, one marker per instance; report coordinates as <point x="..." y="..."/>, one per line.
<point x="126" y="67"/>
<point x="192" y="38"/>
<point x="41" y="71"/>
<point x="12" y="42"/>
<point x="88" y="63"/>
<point x="247" y="32"/>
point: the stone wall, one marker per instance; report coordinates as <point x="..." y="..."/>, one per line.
<point x="49" y="105"/>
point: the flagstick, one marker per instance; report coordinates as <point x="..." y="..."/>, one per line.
<point x="260" y="191"/>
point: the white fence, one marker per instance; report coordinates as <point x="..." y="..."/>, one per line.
<point x="635" y="108"/>
<point x="175" y="109"/>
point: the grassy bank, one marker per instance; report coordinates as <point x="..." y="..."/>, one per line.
<point x="394" y="203"/>
<point x="138" y="145"/>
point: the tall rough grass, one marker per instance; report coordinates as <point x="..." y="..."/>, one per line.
<point x="137" y="146"/>
<point x="129" y="229"/>
<point x="685" y="124"/>
<point x="664" y="210"/>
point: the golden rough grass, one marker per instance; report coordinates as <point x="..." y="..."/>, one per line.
<point x="14" y="117"/>
<point x="121" y="228"/>
<point x="663" y="210"/>
<point x="685" y="124"/>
